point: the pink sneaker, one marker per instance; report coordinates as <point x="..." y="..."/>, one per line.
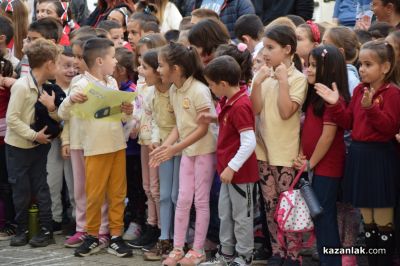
<point x="104" y="240"/>
<point x="174" y="256"/>
<point x="76" y="240"/>
<point x="348" y="260"/>
<point x="192" y="258"/>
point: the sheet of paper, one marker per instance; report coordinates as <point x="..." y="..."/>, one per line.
<point x="103" y="103"/>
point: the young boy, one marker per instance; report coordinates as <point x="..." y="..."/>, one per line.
<point x="236" y="162"/>
<point x="135" y="27"/>
<point x="116" y="31"/>
<point x="249" y="30"/>
<point x="6" y="35"/>
<point x="104" y="149"/>
<point x="26" y="149"/>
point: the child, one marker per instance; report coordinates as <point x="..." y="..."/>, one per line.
<point x="71" y="141"/>
<point x="121" y="15"/>
<point x="236" y="162"/>
<point x="202" y="13"/>
<point x="115" y="30"/>
<point x="7" y="228"/>
<point x="323" y="146"/>
<point x="125" y="74"/>
<point x="394" y="40"/>
<point x="373" y="116"/>
<point x="249" y="30"/>
<point x="24" y="144"/>
<point x="277" y="98"/>
<point x="135" y="27"/>
<point x="163" y="122"/>
<point x="309" y="35"/>
<point x="6" y="35"/>
<point x="57" y="166"/>
<point x="105" y="165"/>
<point x="189" y="98"/>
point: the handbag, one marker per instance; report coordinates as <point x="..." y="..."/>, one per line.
<point x="293" y="216"/>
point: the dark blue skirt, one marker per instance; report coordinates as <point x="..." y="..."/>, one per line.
<point x="371" y="174"/>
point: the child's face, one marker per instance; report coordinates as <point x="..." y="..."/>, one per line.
<point x="116" y="16"/>
<point x="381" y="11"/>
<point x="45" y="10"/>
<point x="151" y="76"/>
<point x="164" y="70"/>
<point x="258" y="62"/>
<point x="304" y="44"/>
<point x="274" y="54"/>
<point x="66" y="69"/>
<point x="51" y="69"/>
<point x="141" y="51"/>
<point x="30" y="37"/>
<point x="217" y="88"/>
<point x="108" y="62"/>
<point x="117" y="36"/>
<point x="371" y="69"/>
<point x="134" y="33"/>
<point x="79" y="63"/>
<point x="311" y="70"/>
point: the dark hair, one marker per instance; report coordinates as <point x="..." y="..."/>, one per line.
<point x="95" y="48"/>
<point x="209" y="34"/>
<point x="151" y="58"/>
<point x="363" y="36"/>
<point x="6" y="67"/>
<point x="396" y="4"/>
<point x="385" y="53"/>
<point x="330" y="67"/>
<point x="343" y="37"/>
<point x="67" y="51"/>
<point x="153" y="40"/>
<point x="82" y="40"/>
<point x="59" y="9"/>
<point x="6" y="28"/>
<point x="143" y="18"/>
<point x="297" y="20"/>
<point x="244" y="59"/>
<point x="205" y="13"/>
<point x="109" y="25"/>
<point x="307" y="28"/>
<point x="151" y="27"/>
<point x="172" y="35"/>
<point x="185" y="57"/>
<point x="249" y="24"/>
<point x="380" y="29"/>
<point x="82" y="31"/>
<point x="48" y="27"/>
<point x="126" y="59"/>
<point x="223" y="68"/>
<point x="285" y="35"/>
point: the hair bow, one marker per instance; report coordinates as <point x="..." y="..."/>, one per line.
<point x="242" y="47"/>
<point x="9" y="7"/>
<point x="65" y="6"/>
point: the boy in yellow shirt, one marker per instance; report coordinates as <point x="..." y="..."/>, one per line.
<point x="104" y="150"/>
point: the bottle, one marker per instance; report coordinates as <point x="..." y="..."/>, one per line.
<point x="33" y="221"/>
<point x="309" y="197"/>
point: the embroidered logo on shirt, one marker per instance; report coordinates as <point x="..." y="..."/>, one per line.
<point x="186" y="103"/>
<point x="170" y="108"/>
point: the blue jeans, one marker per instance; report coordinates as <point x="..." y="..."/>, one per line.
<point x="169" y="185"/>
<point x="326" y="225"/>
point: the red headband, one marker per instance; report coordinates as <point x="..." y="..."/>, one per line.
<point x="315" y="31"/>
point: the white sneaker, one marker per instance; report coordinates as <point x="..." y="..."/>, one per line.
<point x="133" y="232"/>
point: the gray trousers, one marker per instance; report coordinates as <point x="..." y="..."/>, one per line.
<point x="235" y="209"/>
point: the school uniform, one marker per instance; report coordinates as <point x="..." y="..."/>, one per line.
<point x="235" y="204"/>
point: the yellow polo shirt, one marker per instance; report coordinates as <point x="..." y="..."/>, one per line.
<point x="164" y="116"/>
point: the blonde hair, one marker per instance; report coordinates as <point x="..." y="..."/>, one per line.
<point x="41" y="51"/>
<point x="19" y="17"/>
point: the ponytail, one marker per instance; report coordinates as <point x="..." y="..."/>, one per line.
<point x="297" y="62"/>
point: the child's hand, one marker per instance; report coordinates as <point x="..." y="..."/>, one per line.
<point x="6" y="82"/>
<point x="299" y="161"/>
<point x="281" y="72"/>
<point x="153" y="146"/>
<point x="48" y="100"/>
<point x="127" y="108"/>
<point x="78" y="97"/>
<point x="134" y="133"/>
<point x="329" y="96"/>
<point x="205" y="118"/>
<point x="43" y="138"/>
<point x="161" y="154"/>
<point x="261" y="75"/>
<point x="366" y="100"/>
<point x="65" y="152"/>
<point x="227" y="175"/>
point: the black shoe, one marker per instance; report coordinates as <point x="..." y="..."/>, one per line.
<point x="42" y="239"/>
<point x="118" y="248"/>
<point x="89" y="246"/>
<point x="275" y="260"/>
<point x="57" y="228"/>
<point x="8" y="231"/>
<point x="291" y="262"/>
<point x="20" y="239"/>
<point x="148" y="247"/>
<point x="150" y="236"/>
<point x="261" y="255"/>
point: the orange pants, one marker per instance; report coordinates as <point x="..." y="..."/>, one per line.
<point x="105" y="179"/>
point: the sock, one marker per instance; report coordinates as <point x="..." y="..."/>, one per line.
<point x="114" y="237"/>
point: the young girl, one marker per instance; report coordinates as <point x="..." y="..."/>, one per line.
<point x="371" y="166"/>
<point x="323" y="146"/>
<point x="277" y="96"/>
<point x="143" y="117"/>
<point x="189" y="97"/>
<point x="309" y="35"/>
<point x="394" y="40"/>
<point x="164" y="118"/>
<point x="59" y="11"/>
<point x="124" y="74"/>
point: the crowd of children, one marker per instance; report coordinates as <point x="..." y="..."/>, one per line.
<point x="222" y="122"/>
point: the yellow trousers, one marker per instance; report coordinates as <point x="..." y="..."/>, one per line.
<point x="105" y="179"/>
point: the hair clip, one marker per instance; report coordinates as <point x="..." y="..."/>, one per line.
<point x="65" y="6"/>
<point x="242" y="47"/>
<point x="324" y="52"/>
<point x="2" y="64"/>
<point x="189" y="48"/>
<point x="9" y="7"/>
